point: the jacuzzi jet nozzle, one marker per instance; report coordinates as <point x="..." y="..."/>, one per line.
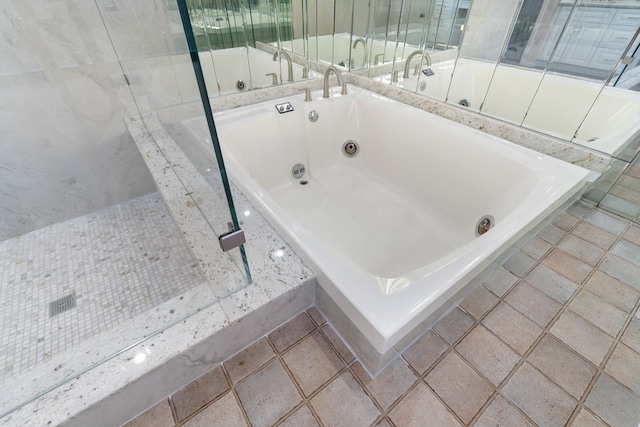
<point x="485" y="223"/>
<point x="350" y="148"/>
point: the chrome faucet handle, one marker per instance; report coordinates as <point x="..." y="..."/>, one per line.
<point x="416" y="69"/>
<point x="344" y="89"/>
<point x="394" y="76"/>
<point x="352" y="63"/>
<point x="305" y="72"/>
<point x="274" y="80"/>
<point x="376" y="59"/>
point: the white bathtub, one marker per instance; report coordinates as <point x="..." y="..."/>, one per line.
<point x="560" y="106"/>
<point x="391" y="231"/>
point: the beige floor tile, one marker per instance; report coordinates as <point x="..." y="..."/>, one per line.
<point x="580" y="209"/>
<point x="420" y="405"/>
<point x="627" y="251"/>
<point x="501" y="413"/>
<point x="225" y="412"/>
<point x="316" y="315"/>
<point x="383" y="423"/>
<point x="493" y="358"/>
<point x="587" y="419"/>
<point x="608" y="222"/>
<point x="551" y="283"/>
<point x="624" y="366"/>
<point x="158" y="416"/>
<point x="596" y="235"/>
<point x="622" y="270"/>
<point x="519" y="263"/>
<point x="599" y="312"/>
<point x="582" y="336"/>
<point x="292" y="331"/>
<point x="544" y="402"/>
<point x="268" y="395"/>
<point x="613" y="290"/>
<point x="565" y="221"/>
<point x="249" y="360"/>
<point x="461" y="388"/>
<point x="536" y="248"/>
<point x="564" y="366"/>
<point x="344" y="403"/>
<point x="533" y="303"/>
<point x="424" y="352"/>
<point x="501" y="281"/>
<point x="302" y="417"/>
<point x="198" y="393"/>
<point x="453" y="325"/>
<point x="631" y="335"/>
<point x="613" y="403"/>
<point x="567" y="265"/>
<point x="389" y="384"/>
<point x="581" y="249"/>
<point x="479" y="302"/>
<point x="551" y="234"/>
<point x="337" y="343"/>
<point x="633" y="235"/>
<point x="312" y="362"/>
<point x="512" y="327"/>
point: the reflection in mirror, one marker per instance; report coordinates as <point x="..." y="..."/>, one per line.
<point x="231" y="39"/>
<point x="427" y="47"/>
<point x="612" y="124"/>
<point x="584" y="58"/>
<point x="483" y="41"/>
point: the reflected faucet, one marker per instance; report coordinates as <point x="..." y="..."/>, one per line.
<point x="364" y="46"/>
<point x="288" y="59"/>
<point x="407" y="65"/>
<point x="325" y="93"/>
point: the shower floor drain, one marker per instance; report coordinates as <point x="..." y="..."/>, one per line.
<point x="61" y="305"/>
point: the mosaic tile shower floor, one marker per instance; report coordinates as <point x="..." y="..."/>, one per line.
<point x="118" y="262"/>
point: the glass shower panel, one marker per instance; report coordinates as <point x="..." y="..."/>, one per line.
<point x="181" y="120"/>
<point x="361" y="43"/>
<point x="321" y="30"/>
<point x="89" y="243"/>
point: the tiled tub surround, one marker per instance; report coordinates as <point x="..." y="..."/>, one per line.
<point x="550" y="339"/>
<point x="362" y="221"/>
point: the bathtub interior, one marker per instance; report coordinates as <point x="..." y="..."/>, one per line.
<point x="399" y="190"/>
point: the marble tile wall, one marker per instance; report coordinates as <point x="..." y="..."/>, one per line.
<point x="65" y="150"/>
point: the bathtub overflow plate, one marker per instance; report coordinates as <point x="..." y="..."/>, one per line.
<point x="350" y="148"/>
<point x="298" y="170"/>
<point x="485" y="223"/>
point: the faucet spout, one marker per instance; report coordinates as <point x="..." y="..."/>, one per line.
<point x="364" y="46"/>
<point x="330" y="69"/>
<point x="288" y="59"/>
<point x="407" y="64"/>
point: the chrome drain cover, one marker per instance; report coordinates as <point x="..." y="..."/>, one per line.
<point x="350" y="148"/>
<point x="484" y="224"/>
<point x="298" y="170"/>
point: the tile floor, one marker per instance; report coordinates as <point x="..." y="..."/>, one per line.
<point x="551" y="339"/>
<point x="624" y="196"/>
<point x="118" y="262"/>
